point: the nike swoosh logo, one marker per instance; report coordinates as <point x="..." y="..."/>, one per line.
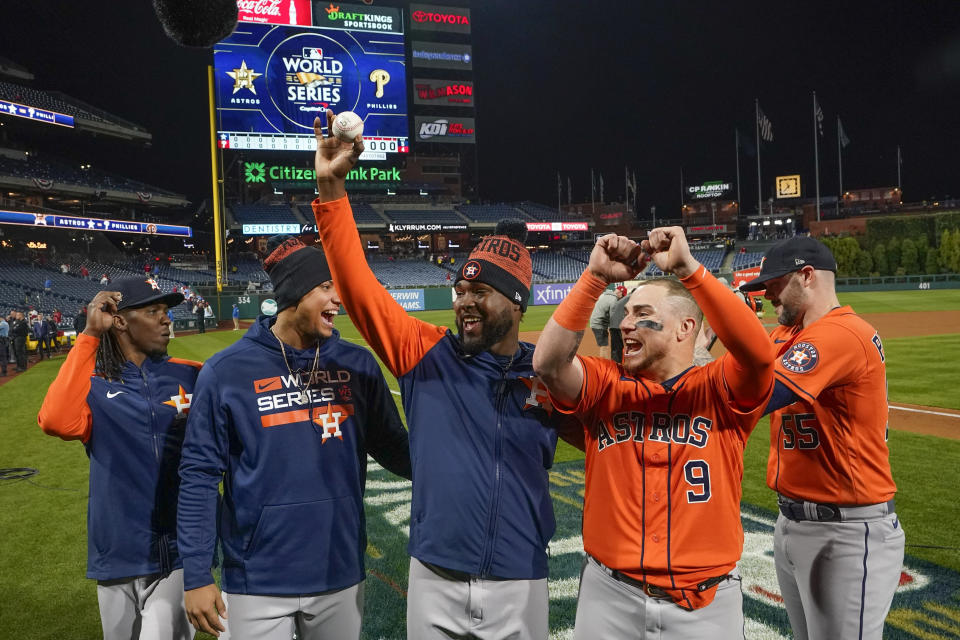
<point x="114" y="394"/>
<point x="264" y="387"/>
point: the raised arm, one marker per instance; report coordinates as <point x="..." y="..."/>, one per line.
<point x="65" y="412"/>
<point x="399" y="339"/>
<point x="613" y="259"/>
<point x="748" y="370"/>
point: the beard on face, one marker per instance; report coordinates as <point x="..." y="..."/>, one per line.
<point x="495" y="329"/>
<point x="788" y="315"/>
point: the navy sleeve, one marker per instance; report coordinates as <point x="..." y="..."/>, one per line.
<point x="782" y="397"/>
<point x="387" y="440"/>
<point x="202" y="465"/>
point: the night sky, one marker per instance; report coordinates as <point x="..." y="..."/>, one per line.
<point x="569" y="86"/>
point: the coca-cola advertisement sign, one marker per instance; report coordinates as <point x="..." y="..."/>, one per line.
<point x="295" y="12"/>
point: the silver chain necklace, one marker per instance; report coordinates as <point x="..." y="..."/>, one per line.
<point x="304" y="386"/>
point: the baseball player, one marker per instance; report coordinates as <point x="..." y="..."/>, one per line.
<point x="664" y="444"/>
<point x="285" y="417"/>
<point x="119" y="394"/>
<point x="480" y="423"/>
<point x="838" y="544"/>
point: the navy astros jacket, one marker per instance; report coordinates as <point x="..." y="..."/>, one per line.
<point x="482" y="431"/>
<point x="132" y="430"/>
<point x="291" y="518"/>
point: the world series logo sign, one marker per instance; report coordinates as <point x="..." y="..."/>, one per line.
<point x="277" y="79"/>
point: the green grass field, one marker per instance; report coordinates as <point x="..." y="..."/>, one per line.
<point x="43" y="593"/>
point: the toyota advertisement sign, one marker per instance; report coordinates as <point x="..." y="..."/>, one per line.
<point x="444" y="19"/>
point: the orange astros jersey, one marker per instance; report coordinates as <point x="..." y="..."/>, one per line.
<point x="663" y="474"/>
<point x="831" y="446"/>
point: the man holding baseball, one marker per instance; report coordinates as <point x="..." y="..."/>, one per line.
<point x="664" y="443"/>
<point x="838" y="544"/>
<point x="481" y="436"/>
<point x="121" y="395"/>
<point x="285" y="417"/>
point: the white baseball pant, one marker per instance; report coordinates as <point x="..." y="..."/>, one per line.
<point x="146" y="608"/>
<point x="336" y="615"/>
<point x="441" y="608"/>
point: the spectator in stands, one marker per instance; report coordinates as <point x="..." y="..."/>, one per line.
<point x="57" y="316"/>
<point x="235" y="314"/>
<point x="617" y="314"/>
<point x="84" y="273"/>
<point x="104" y="279"/>
<point x="170" y="315"/>
<point x="40" y="332"/>
<point x="80" y="320"/>
<point x="47" y="285"/>
<point x="64" y="268"/>
<point x="198" y="311"/>
<point x="4" y="345"/>
<point x="19" y="330"/>
<point x="146" y="268"/>
<point x="156" y="269"/>
<point x="600" y="319"/>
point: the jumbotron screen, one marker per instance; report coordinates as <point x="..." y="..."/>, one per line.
<point x="272" y="80"/>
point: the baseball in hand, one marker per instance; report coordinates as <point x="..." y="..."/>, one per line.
<point x="347" y="126"/>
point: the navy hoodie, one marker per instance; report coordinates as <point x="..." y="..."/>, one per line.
<point x="291" y="517"/>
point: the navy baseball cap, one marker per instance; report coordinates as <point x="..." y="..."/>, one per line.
<point x="140" y="292"/>
<point x="792" y="255"/>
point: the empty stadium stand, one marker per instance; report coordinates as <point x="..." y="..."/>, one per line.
<point x="747" y="260"/>
<point x="59" y="171"/>
<point x="490" y="212"/>
<point x="424" y="216"/>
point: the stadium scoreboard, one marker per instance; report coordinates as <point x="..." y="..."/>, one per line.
<point x="272" y="80"/>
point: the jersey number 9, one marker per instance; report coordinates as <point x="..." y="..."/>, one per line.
<point x="697" y="474"/>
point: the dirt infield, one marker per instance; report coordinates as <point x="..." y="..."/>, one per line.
<point x="934" y="421"/>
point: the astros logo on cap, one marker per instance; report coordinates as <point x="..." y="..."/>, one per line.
<point x="153" y="284"/>
<point x="800" y="358"/>
<point x="471" y="270"/>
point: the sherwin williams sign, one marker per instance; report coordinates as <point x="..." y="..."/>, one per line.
<point x="409" y="299"/>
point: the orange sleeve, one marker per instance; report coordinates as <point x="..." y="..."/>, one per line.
<point x="749" y="369"/>
<point x="596" y="378"/>
<point x="65" y="412"/>
<point x="825" y="355"/>
<point x="399" y="339"/>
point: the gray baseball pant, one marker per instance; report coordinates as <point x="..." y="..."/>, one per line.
<point x="837" y="579"/>
<point x="609" y="608"/>
<point x="147" y="608"/>
<point x="440" y="607"/>
<point x="336" y="615"/>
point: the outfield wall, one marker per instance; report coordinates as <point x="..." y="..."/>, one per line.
<point x="441" y="298"/>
